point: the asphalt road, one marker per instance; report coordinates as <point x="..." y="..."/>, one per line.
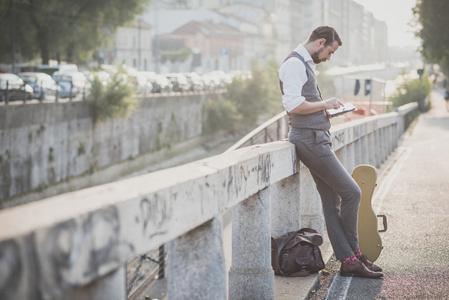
<point x="414" y="194"/>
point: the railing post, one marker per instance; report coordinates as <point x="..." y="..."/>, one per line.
<point x="309" y="202"/>
<point x="7" y="93"/>
<point x="350" y="157"/>
<point x="24" y="93"/>
<point x="251" y="275"/>
<point x="196" y="265"/>
<point x="284" y="196"/>
<point x="357" y="151"/>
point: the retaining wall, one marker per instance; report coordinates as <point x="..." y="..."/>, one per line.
<point x="42" y="144"/>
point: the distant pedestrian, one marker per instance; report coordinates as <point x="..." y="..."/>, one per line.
<point x="309" y="131"/>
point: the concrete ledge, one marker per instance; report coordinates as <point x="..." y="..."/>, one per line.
<point x="70" y="240"/>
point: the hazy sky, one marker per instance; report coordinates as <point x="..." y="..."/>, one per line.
<point x="397" y="14"/>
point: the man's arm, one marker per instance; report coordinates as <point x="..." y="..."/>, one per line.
<point x="308" y="107"/>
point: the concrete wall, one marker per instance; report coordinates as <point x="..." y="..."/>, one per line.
<point x="74" y="245"/>
<point x="42" y="144"/>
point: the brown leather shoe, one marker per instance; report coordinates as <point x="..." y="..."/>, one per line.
<point x="370" y="265"/>
<point x="358" y="269"/>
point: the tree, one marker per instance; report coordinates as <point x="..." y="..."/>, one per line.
<point x="115" y="100"/>
<point x="64" y="29"/>
<point x="411" y="90"/>
<point x="250" y="96"/>
<point x="432" y="16"/>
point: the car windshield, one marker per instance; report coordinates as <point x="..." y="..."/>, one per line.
<point x="62" y="77"/>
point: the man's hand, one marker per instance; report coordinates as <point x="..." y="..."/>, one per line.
<point x="333" y="103"/>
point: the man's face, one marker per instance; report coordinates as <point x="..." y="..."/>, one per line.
<point x="324" y="53"/>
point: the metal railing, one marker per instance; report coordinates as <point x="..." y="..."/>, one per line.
<point x="275" y="129"/>
<point x="5" y="95"/>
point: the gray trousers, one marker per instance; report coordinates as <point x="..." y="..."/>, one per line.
<point x="340" y="194"/>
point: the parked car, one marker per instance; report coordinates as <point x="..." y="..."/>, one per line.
<point x="160" y="83"/>
<point x="211" y="81"/>
<point x="63" y="68"/>
<point x="179" y="82"/>
<point x="163" y="84"/>
<point x="196" y="82"/>
<point x="143" y="83"/>
<point x="44" y="87"/>
<point x="14" y="88"/>
<point x="72" y="84"/>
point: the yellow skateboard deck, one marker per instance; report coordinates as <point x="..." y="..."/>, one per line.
<point x="370" y="242"/>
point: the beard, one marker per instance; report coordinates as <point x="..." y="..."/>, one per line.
<point x="316" y="56"/>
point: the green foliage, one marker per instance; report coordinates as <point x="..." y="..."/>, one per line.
<point x="176" y="55"/>
<point x="246" y="100"/>
<point x="271" y="68"/>
<point x="326" y="82"/>
<point x="432" y="16"/>
<point x="115" y="100"/>
<point x="61" y="29"/>
<point x="254" y="96"/>
<point x="220" y="114"/>
<point x="411" y="90"/>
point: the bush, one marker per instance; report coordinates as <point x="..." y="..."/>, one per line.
<point x="411" y="90"/>
<point x="220" y="114"/>
<point x="115" y="100"/>
<point x="254" y="96"/>
<point x="246" y="100"/>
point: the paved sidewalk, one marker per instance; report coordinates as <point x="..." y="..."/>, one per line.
<point x="299" y="288"/>
<point x="412" y="191"/>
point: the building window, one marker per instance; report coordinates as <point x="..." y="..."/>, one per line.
<point x="134" y="63"/>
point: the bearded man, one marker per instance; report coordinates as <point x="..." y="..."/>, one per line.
<point x="309" y="132"/>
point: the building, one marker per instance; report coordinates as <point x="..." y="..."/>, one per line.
<point x="216" y="46"/>
<point x="132" y="46"/>
<point x="263" y="29"/>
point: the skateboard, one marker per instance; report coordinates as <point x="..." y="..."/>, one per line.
<point x="370" y="242"/>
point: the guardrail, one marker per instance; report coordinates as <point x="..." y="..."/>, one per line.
<point x="82" y="96"/>
<point x="272" y="130"/>
<point x="76" y="245"/>
<point x="7" y="93"/>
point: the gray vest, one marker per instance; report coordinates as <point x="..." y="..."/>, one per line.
<point x="318" y="120"/>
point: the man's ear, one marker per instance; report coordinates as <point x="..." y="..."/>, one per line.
<point x="320" y="42"/>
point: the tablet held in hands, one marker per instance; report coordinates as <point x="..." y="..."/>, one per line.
<point x="347" y="107"/>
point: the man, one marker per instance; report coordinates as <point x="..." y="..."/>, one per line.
<point x="309" y="131"/>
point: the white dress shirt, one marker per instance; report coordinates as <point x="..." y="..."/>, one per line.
<point x="293" y="75"/>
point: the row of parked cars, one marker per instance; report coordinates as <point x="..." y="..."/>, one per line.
<point x="54" y="83"/>
<point x="39" y="85"/>
<point x="151" y="82"/>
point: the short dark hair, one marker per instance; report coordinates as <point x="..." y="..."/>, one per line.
<point x="326" y="32"/>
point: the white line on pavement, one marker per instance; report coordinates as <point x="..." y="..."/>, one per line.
<point x="339" y="287"/>
<point x="388" y="181"/>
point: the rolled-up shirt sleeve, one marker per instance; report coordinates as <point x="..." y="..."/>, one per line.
<point x="293" y="76"/>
